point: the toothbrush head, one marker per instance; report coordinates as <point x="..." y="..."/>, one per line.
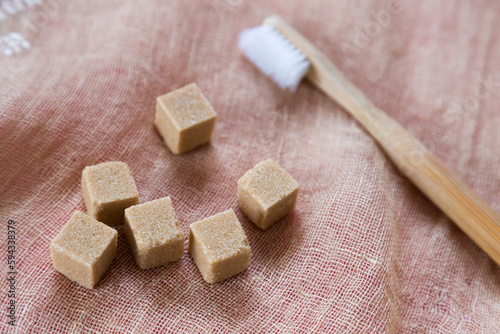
<point x="274" y="55"/>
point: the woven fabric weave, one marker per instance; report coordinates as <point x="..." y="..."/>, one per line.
<point x="363" y="252"/>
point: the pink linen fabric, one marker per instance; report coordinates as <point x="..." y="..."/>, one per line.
<point x="363" y="252"/>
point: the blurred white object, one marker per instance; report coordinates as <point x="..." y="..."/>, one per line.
<point x="274" y="55"/>
<point x="13" y="43"/>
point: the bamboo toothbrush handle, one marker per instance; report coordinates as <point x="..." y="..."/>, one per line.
<point x="472" y="214"/>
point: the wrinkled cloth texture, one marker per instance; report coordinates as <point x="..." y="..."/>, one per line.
<point x="363" y="252"/>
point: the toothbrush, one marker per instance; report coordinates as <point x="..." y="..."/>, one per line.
<point x="286" y="56"/>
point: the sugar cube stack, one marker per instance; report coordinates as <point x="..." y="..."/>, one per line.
<point x="184" y="118"/>
<point x="84" y="249"/>
<point x="219" y="246"/>
<point x="108" y="189"/>
<point x="266" y="193"/>
<point x="153" y="233"/>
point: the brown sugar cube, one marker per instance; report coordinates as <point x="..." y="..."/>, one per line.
<point x="184" y="118"/>
<point x="219" y="246"/>
<point x="153" y="233"/>
<point x="84" y="249"/>
<point x="108" y="189"/>
<point x="266" y="193"/>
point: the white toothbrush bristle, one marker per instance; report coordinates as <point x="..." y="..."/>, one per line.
<point x="274" y="55"/>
